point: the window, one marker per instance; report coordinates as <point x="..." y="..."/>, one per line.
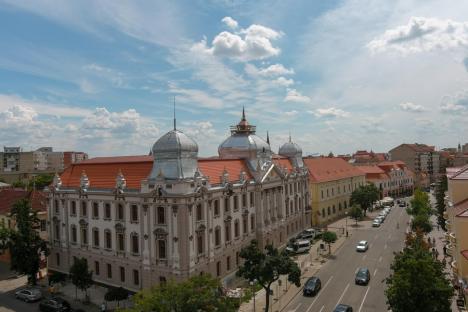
<point x="136" y="277"/>
<point x="228" y="263"/>
<point x="120" y="212"/>
<point x="244" y="225"/>
<point x="322" y="194"/>
<point x="161" y="249"/>
<point x="199" y="212"/>
<point x="95" y="237"/>
<point x="217" y="236"/>
<point x="120" y="242"/>
<point x="226" y="204"/>
<point x="328" y="210"/>
<point x="96" y="267"/>
<point x="95" y="210"/>
<point x="200" y="243"/>
<point x="135" y="243"/>
<point x="323" y="212"/>
<point x="107" y="211"/>
<point x="227" y="232"/>
<point x="57" y="259"/>
<point x="56" y="206"/>
<point x="252" y="196"/>
<point x="73" y="234"/>
<point x="57" y="230"/>
<point x="339" y="206"/>
<point x="108" y="239"/>
<point x="73" y="208"/>
<point x="109" y="270"/>
<point x="252" y="222"/>
<point x="334" y="209"/>
<point x="216" y="207"/>
<point x="236" y="228"/>
<point x="84" y="208"/>
<point x="218" y="268"/>
<point x="84" y="236"/>
<point x="161" y="215"/>
<point x="43" y="225"/>
<point x="236" y="203"/>
<point x="244" y="200"/>
<point x="237" y="258"/>
<point x="162" y="280"/>
<point x="122" y="274"/>
<point x="134" y="213"/>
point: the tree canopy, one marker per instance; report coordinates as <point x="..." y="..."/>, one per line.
<point x="441" y="188"/>
<point x="418" y="282"/>
<point x="329" y="238"/>
<point x="80" y="276"/>
<point x="365" y="196"/>
<point x="355" y="212"/>
<point x="420" y="209"/>
<point x="267" y="267"/>
<point x="26" y="247"/>
<point x="199" y="293"/>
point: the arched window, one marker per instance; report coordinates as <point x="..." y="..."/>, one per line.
<point x="216" y="207"/>
<point x="84" y="236"/>
<point x="108" y="239"/>
<point x="200" y="239"/>
<point x="73" y="233"/>
<point x="227" y="231"/>
<point x="120" y="212"/>
<point x="161" y="215"/>
<point x="199" y="212"/>
<point x="236" y="228"/>
<point x="135" y="243"/>
<point x="95" y="237"/>
<point x="252" y="222"/>
<point x="218" y="236"/>
<point x="84" y="208"/>
<point x="56" y="206"/>
<point x="161" y="248"/>
<point x="328" y="210"/>
<point x="73" y="208"/>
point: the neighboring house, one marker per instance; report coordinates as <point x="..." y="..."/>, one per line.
<point x="364" y="157"/>
<point x="422" y="159"/>
<point x="38" y="200"/>
<point x="332" y="180"/>
<point x="457" y="225"/>
<point x="143" y="220"/>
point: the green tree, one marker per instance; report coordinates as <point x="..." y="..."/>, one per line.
<point x="420" y="204"/>
<point x="417" y="282"/>
<point x="116" y="294"/>
<point x="199" y="293"/>
<point x="421" y="222"/>
<point x="329" y="238"/>
<point x="40" y="181"/>
<point x="365" y="196"/>
<point x="441" y="188"/>
<point x="19" y="184"/>
<point x="26" y="247"/>
<point x="80" y="276"/>
<point x="355" y="213"/>
<point x="267" y="267"/>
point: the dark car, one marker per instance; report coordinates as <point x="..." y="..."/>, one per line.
<point x="343" y="308"/>
<point x="402" y="204"/>
<point x="312" y="286"/>
<point x="362" y="276"/>
<point x="54" y="304"/>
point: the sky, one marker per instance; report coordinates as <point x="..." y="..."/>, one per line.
<point x="102" y="76"/>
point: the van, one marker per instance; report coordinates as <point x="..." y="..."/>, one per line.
<point x="299" y="246"/>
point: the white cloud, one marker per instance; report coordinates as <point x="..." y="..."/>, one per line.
<point x="230" y="22"/>
<point x="295" y="96"/>
<point x="18" y="115"/>
<point x="198" y="97"/>
<point x="291" y="113"/>
<point x="284" y="82"/>
<point x="87" y="87"/>
<point x="411" y="107"/>
<point x="272" y="70"/>
<point x="454" y="104"/>
<point x="422" y="34"/>
<point x="252" y="43"/>
<point x="330" y="112"/>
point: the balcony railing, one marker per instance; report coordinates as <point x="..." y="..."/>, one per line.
<point x="453" y="238"/>
<point x="449" y="250"/>
<point x="445" y="215"/>
<point x="454" y="267"/>
<point x="448" y="225"/>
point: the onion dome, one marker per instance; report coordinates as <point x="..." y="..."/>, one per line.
<point x="292" y="151"/>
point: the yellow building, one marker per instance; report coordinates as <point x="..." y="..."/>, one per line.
<point x="332" y="180"/>
<point x="457" y="225"/>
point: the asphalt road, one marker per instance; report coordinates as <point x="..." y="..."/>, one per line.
<point x="337" y="275"/>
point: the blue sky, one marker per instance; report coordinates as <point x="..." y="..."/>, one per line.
<point x="100" y="76"/>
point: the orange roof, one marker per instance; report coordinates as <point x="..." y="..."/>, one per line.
<point x="461" y="208"/>
<point x="370" y="169"/>
<point x="325" y="169"/>
<point x="421" y="147"/>
<point x="283" y="163"/>
<point x="102" y="171"/>
<point x="8" y="197"/>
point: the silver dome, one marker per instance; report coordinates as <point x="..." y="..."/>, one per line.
<point x="243" y="146"/>
<point x="290" y="149"/>
<point x="175" y="156"/>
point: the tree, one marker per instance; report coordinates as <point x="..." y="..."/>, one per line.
<point x="80" y="276"/>
<point x="418" y="282"/>
<point x="441" y="188"/>
<point x="365" y="196"/>
<point x="57" y="277"/>
<point x="199" y="293"/>
<point x="329" y="238"/>
<point x="116" y="294"/>
<point x="267" y="267"/>
<point x="421" y="222"/>
<point x="26" y="247"/>
<point x="40" y="181"/>
<point x="355" y="212"/>
<point x="420" y="204"/>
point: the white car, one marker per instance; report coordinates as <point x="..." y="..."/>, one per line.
<point x="376" y="223"/>
<point x="362" y="246"/>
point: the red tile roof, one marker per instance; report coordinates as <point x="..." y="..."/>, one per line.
<point x="214" y="168"/>
<point x="422" y="148"/>
<point x="8" y="197"/>
<point x="323" y="169"/>
<point x="283" y="163"/>
<point x="461" y="208"/>
<point x="373" y="172"/>
<point x="461" y="174"/>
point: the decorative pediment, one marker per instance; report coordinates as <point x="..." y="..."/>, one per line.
<point x="242" y="176"/>
<point x="159" y="232"/>
<point x="201" y="228"/>
<point x="228" y="219"/>
<point x="228" y="189"/>
<point x="245" y="212"/>
<point x="119" y="227"/>
<point x="83" y="223"/>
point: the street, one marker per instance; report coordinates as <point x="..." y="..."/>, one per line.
<point x="337" y="275"/>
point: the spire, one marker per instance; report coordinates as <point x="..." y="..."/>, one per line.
<point x="174" y="115"/>
<point x="289" y="136"/>
<point x="268" y="138"/>
<point x="243" y="114"/>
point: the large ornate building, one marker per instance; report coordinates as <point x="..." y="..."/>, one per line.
<point x="142" y="220"/>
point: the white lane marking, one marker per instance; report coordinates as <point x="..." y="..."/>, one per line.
<point x="385" y="247"/>
<point x="375" y="272"/>
<point x="364" y="299"/>
<point x="321" y="309"/>
<point x="363" y="258"/>
<point x="298" y="306"/>
<point x="316" y="297"/>
<point x="342" y="295"/>
<point x="375" y="237"/>
<point x="380" y="259"/>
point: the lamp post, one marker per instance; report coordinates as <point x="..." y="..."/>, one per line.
<point x="346" y="222"/>
<point x="252" y="283"/>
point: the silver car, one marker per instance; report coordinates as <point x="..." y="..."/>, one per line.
<point x="29" y="294"/>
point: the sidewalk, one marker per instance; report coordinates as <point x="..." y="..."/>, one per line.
<point x="283" y="291"/>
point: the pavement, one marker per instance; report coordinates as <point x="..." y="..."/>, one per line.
<point x="337" y="272"/>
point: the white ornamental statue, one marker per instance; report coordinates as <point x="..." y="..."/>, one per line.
<point x="84" y="181"/>
<point x="57" y="182"/>
<point x="120" y="182"/>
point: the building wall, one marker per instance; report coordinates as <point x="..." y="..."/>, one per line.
<point x="405" y="154"/>
<point x="27" y="162"/>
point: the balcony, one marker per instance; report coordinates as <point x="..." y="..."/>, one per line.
<point x="450" y="250"/>
<point x="453" y="238"/>
<point x="454" y="267"/>
<point x="448" y="225"/>
<point x="445" y="215"/>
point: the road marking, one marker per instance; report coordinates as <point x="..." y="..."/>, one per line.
<point x="298" y="306"/>
<point x="342" y="295"/>
<point x="364" y="299"/>
<point x="363" y="258"/>
<point x="321" y="290"/>
<point x="375" y="272"/>
<point x="385" y="247"/>
<point x="380" y="259"/>
<point x="375" y="237"/>
<point x="321" y="309"/>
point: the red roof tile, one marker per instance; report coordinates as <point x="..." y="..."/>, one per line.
<point x="283" y="163"/>
<point x="214" y="168"/>
<point x="461" y="208"/>
<point x="323" y="169"/>
<point x="8" y="197"/>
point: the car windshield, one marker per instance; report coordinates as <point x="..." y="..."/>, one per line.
<point x="362" y="273"/>
<point x="311" y="282"/>
<point x="362" y="244"/>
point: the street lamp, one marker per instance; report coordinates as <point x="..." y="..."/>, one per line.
<point x="252" y="283"/>
<point x="346" y="220"/>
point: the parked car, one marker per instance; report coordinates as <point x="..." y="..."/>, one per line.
<point x="54" y="304"/>
<point x="299" y="246"/>
<point x="307" y="234"/>
<point x="402" y="204"/>
<point x="362" y="276"/>
<point x="381" y="219"/>
<point x="376" y="223"/>
<point x="362" y="246"/>
<point x="312" y="286"/>
<point x="343" y="308"/>
<point x="28" y="294"/>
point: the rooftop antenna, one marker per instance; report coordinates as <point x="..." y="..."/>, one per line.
<point x="174" y="115"/>
<point x="243" y="113"/>
<point x="289" y="136"/>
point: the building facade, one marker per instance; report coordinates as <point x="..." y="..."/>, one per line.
<point x="421" y="159"/>
<point x="142" y="220"/>
<point x="332" y="180"/>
